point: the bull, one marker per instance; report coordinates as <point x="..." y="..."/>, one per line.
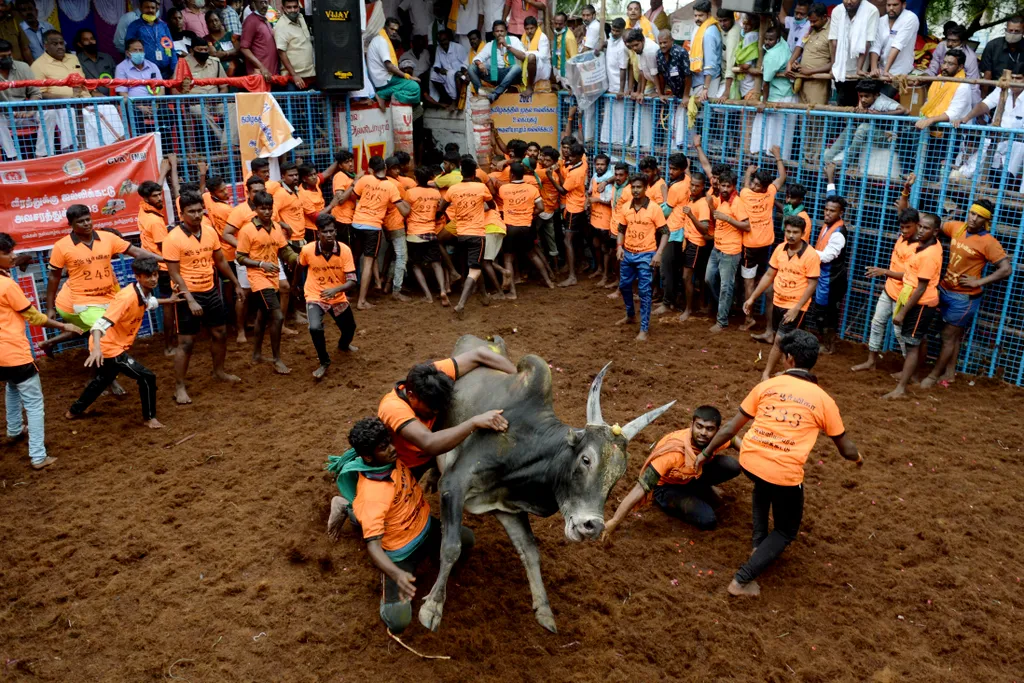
<point x="538" y="466"/>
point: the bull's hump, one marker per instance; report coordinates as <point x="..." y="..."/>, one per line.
<point x="535" y="377"/>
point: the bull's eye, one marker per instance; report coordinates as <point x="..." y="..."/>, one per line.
<point x="586" y="460"/>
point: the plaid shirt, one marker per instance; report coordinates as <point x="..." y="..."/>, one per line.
<point x="674" y="69"/>
<point x="232" y="23"/>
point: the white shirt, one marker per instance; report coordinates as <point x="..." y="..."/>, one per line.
<point x="900" y="36"/>
<point x="484" y="56"/>
<point x="468" y="17"/>
<point x="841" y="29"/>
<point x="649" y="61"/>
<point x="963" y="101"/>
<point x="593" y="37"/>
<point x="543" y="53"/>
<point x="422" y="15"/>
<point x="493" y="11"/>
<point x="1013" y="112"/>
<point x="834" y="247"/>
<point x="376" y="55"/>
<point x="796" y="32"/>
<point x="617" y="59"/>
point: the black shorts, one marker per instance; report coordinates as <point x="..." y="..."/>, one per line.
<point x="472" y="247"/>
<point x="696" y="257"/>
<point x="424" y="253"/>
<point x="369" y="241"/>
<point x="214" y="313"/>
<point x="163" y="285"/>
<point x="575" y="222"/>
<point x="518" y="239"/>
<point x="234" y="269"/>
<point x="611" y="241"/>
<point x="757" y="257"/>
<point x="267" y="300"/>
<point x="916" y="324"/>
<point x="782" y="328"/>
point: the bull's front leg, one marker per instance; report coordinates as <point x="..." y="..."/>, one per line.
<point x="519" y="532"/>
<point x="453" y="487"/>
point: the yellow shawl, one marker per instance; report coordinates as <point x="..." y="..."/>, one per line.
<point x="940" y="95"/>
<point x="645" y="26"/>
<point x="697" y="46"/>
<point x="453" y="13"/>
<point x="391" y="48"/>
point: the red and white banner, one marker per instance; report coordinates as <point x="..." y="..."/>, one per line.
<point x="35" y="194"/>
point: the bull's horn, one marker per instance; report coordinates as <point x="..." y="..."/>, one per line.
<point x="594" y="399"/>
<point x="637" y="425"/>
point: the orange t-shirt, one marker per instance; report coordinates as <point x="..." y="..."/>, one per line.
<point x="968" y="255"/>
<point x="288" y="209"/>
<point x="788" y="412"/>
<point x="261" y="244"/>
<point x="699" y="211"/>
<point x="925" y="264"/>
<point x="625" y="197"/>
<point x="152" y="229"/>
<point x="218" y="212"/>
<point x="393" y="218"/>
<point x="759" y="208"/>
<point x="677" y="197"/>
<point x="548" y="192"/>
<point x="327" y="271"/>
<point x="395" y="412"/>
<point x="14" y="347"/>
<point x="194" y="255"/>
<point x="239" y="216"/>
<point x="658" y="192"/>
<point x="391" y="508"/>
<point x="897" y="262"/>
<point x="375" y="194"/>
<point x="125" y="314"/>
<point x="673" y="459"/>
<point x="793" y="273"/>
<point x="575" y="186"/>
<point x="600" y="214"/>
<point x="641" y="226"/>
<point x="423" y="203"/>
<point x="808" y="225"/>
<point x="91" y="278"/>
<point x="518" y="199"/>
<point x="728" y="239"/>
<point x="343" y="212"/>
<point x="313" y="204"/>
<point x="467" y="207"/>
<point x="271" y="186"/>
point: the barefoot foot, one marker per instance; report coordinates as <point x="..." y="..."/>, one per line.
<point x="339" y="514"/>
<point x="364" y="306"/>
<point x="716" y="328"/>
<point x="401" y="297"/>
<point x="685" y="315"/>
<point x="626" y="321"/>
<point x="928" y="382"/>
<point x="280" y="368"/>
<point x="765" y="337"/>
<point x="444" y="300"/>
<point x="226" y="377"/>
<point x="181" y="397"/>
<point x="46" y="462"/>
<point x="642" y="336"/>
<point x="153" y="424"/>
<point x="744" y="589"/>
<point x="568" y="282"/>
<point x="289" y="331"/>
<point x="898" y="392"/>
<point x="319" y="374"/>
<point x="867" y="365"/>
<point x="747" y="324"/>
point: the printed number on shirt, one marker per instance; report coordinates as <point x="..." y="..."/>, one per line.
<point x="781" y="415"/>
<point x="99" y="273"/>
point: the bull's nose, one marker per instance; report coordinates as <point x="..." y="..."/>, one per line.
<point x="593" y="527"/>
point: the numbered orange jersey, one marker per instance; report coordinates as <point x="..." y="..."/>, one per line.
<point x="91" y="278"/>
<point x="194" y="254"/>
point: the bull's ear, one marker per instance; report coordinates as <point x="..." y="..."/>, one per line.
<point x="575" y="437"/>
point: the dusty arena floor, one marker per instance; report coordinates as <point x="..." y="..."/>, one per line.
<point x="198" y="553"/>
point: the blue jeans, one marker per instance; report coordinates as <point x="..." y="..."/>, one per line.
<point x="633" y="268"/>
<point x="30" y="395"/>
<point x="723" y="266"/>
<point x="506" y="77"/>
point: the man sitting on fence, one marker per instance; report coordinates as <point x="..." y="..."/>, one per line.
<point x="382" y="63"/>
<point x="851" y="141"/>
<point x="449" y="75"/>
<point x="946" y="101"/>
<point x="537" y="66"/>
<point x="498" y="62"/>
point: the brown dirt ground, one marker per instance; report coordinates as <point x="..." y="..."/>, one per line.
<point x="139" y="558"/>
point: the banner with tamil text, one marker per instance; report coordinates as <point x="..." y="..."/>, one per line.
<point x="36" y="193"/>
<point x="536" y="120"/>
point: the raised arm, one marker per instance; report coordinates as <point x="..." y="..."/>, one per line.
<point x="780" y="179"/>
<point x="483" y="357"/>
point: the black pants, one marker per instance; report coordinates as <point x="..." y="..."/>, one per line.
<point x="397" y="615"/>
<point x="108" y="372"/>
<point x="786" y="505"/>
<point x="692" y="502"/>
<point x="672" y="271"/>
<point x="346" y="322"/>
<point x="826" y="317"/>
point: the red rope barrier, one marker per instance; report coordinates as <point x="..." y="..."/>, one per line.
<point x="252" y="82"/>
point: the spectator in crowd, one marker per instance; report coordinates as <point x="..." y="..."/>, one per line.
<point x="565" y="47"/>
<point x="382" y="64"/>
<point x="955" y="39"/>
<point x="1003" y="53"/>
<point x="417" y="60"/>
<point x="295" y="47"/>
<point x="228" y="16"/>
<point x="10" y="30"/>
<point x="538" y="55"/>
<point x="203" y="64"/>
<point x="194" y="17"/>
<point x="475" y="44"/>
<point x="673" y="70"/>
<point x="493" y="10"/>
<point x="95" y="64"/>
<point x="1007" y="155"/>
<point x="155" y="36"/>
<point x="421" y="14"/>
<point x="812" y="57"/>
<point x="658" y="17"/>
<point x="745" y="58"/>
<point x="33" y="27"/>
<point x="635" y="19"/>
<point x="57" y="64"/>
<point x="181" y="36"/>
<point x="498" y="62"/>
<point x="851" y="141"/>
<point x="465" y="16"/>
<point x="647" y="51"/>
<point x="12" y="69"/>
<point x="775" y="129"/>
<point x="257" y="44"/>
<point x="224" y="45"/>
<point x="616" y="59"/>
<point x="705" y="58"/>
<point x="136" y="67"/>
<point x="594" y="30"/>
<point x="732" y="35"/>
<point x="450" y="72"/>
<point x="946" y="101"/>
<point x="797" y="26"/>
<point x="121" y="32"/>
<point x="851" y="33"/>
<point x="519" y="10"/>
<point x="892" y="52"/>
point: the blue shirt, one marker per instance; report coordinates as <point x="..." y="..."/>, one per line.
<point x="35" y="38"/>
<point x="128" y="71"/>
<point x="157" y="41"/>
<point x="712" y="52"/>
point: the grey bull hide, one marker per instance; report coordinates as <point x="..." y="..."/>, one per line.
<point x="539" y="466"/>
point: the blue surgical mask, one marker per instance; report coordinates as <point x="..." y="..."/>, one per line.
<point x="800" y="22"/>
<point x="138" y="58"/>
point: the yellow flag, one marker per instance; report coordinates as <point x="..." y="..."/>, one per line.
<point x="263" y="129"/>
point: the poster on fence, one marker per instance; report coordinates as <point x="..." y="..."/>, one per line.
<point x="263" y="129"/>
<point x="36" y="193"/>
<point x="536" y="120"/>
<point x="372" y="132"/>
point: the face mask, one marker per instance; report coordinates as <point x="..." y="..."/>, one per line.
<point x="138" y="58"/>
<point x="1013" y="38"/>
<point x="7" y="63"/>
<point x="800" y="22"/>
<point x="200" y="4"/>
<point x="149" y="18"/>
<point x="201" y="57"/>
<point x="91" y="49"/>
<point x="292" y="16"/>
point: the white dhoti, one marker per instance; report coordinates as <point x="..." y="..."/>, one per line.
<point x="774" y="129"/>
<point x="57" y="119"/>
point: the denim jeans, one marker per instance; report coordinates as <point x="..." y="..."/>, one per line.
<point x="880" y="322"/>
<point x="722" y="266"/>
<point x="506" y="77"/>
<point x="633" y="268"/>
<point x="30" y="395"/>
<point x="398" y="243"/>
<point x="852" y="141"/>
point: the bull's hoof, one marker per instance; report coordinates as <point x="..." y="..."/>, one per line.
<point x="545" y="618"/>
<point x="430" y="614"/>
